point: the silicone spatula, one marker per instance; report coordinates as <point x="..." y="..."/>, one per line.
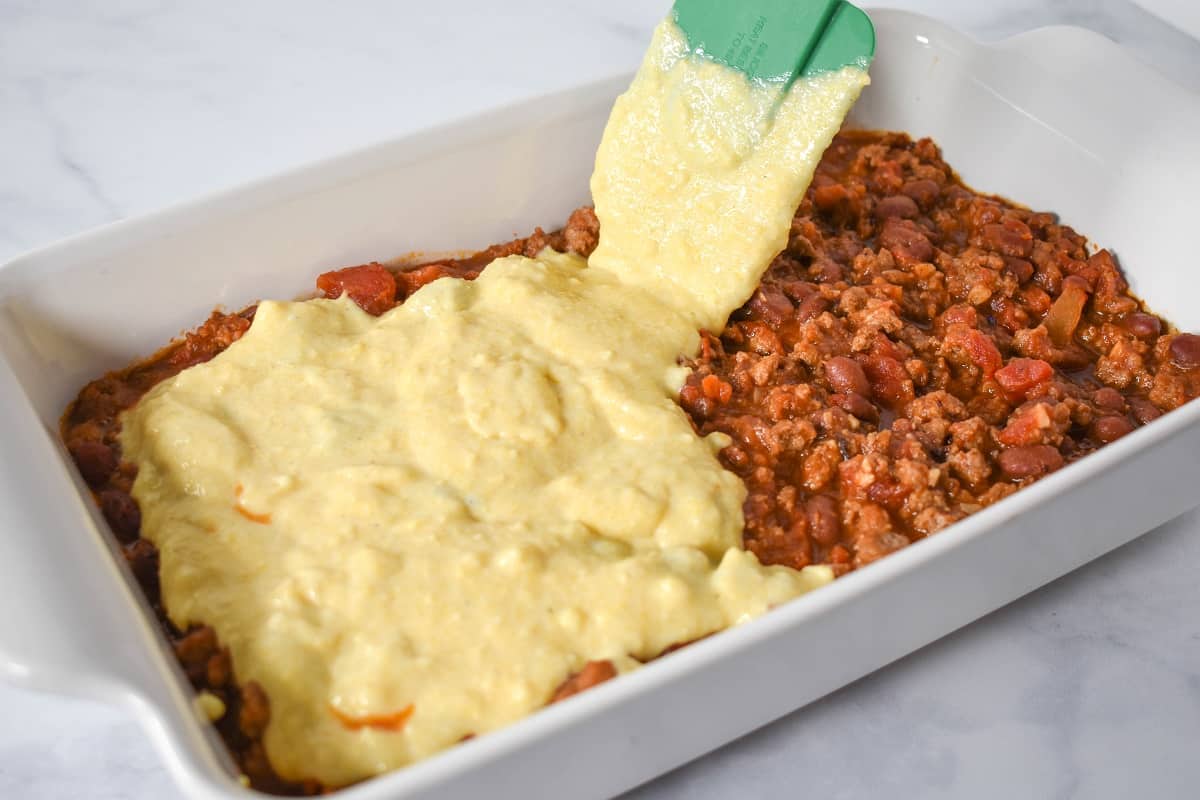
<point x="778" y="40"/>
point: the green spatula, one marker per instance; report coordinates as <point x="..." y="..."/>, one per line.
<point x="778" y="40"/>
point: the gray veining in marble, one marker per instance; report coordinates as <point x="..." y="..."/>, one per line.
<point x="1089" y="688"/>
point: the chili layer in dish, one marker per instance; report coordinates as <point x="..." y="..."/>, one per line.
<point x="917" y="352"/>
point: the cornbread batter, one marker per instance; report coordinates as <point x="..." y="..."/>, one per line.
<point x="411" y="528"/>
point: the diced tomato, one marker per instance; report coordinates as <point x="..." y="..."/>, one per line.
<point x="1020" y="375"/>
<point x="412" y="279"/>
<point x="1026" y="426"/>
<point x="716" y="389"/>
<point x="370" y="286"/>
<point x="592" y="674"/>
<point x="978" y="346"/>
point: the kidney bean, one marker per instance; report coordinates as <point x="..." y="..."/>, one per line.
<point x="770" y="305"/>
<point x="1029" y="461"/>
<point x="142" y="557"/>
<point x="924" y="191"/>
<point x="122" y="514"/>
<point x="1143" y="410"/>
<point x="1108" y="398"/>
<point x="1035" y="299"/>
<point x="1143" y="326"/>
<point x="1021" y="375"/>
<point x="855" y="404"/>
<point x="889" y="380"/>
<point x="1185" y="351"/>
<point x="196" y="646"/>
<point x="255" y="712"/>
<point x="883" y="346"/>
<point x="1010" y="315"/>
<point x="846" y="376"/>
<point x="824" y="525"/>
<point x="96" y="460"/>
<point x="898" y="205"/>
<point x="907" y="243"/>
<point x="1109" y="429"/>
<point x="254" y="763"/>
<point x="695" y="401"/>
<point x="1011" y="237"/>
<point x="812" y="306"/>
<point x="219" y="668"/>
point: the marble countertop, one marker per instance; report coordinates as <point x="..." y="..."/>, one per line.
<point x="1089" y="687"/>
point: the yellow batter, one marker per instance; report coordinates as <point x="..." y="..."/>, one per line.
<point x="414" y="527"/>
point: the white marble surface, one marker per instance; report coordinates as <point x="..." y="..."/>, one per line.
<point x="1088" y="688"/>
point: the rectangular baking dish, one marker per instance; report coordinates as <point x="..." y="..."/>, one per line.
<point x="1058" y="118"/>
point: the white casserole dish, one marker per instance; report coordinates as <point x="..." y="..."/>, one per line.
<point x="1056" y="118"/>
<point x="1183" y="14"/>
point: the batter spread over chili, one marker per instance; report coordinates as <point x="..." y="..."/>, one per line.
<point x="916" y="352"/>
<point x="410" y="525"/>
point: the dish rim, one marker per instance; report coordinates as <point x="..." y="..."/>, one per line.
<point x="195" y="777"/>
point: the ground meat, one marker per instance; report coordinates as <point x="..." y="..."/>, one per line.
<point x="958" y="347"/>
<point x="918" y="351"/>
<point x="582" y="233"/>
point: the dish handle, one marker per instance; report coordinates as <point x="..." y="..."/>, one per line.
<point x="65" y="608"/>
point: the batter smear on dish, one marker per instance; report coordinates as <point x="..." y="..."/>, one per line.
<point x="915" y="351"/>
